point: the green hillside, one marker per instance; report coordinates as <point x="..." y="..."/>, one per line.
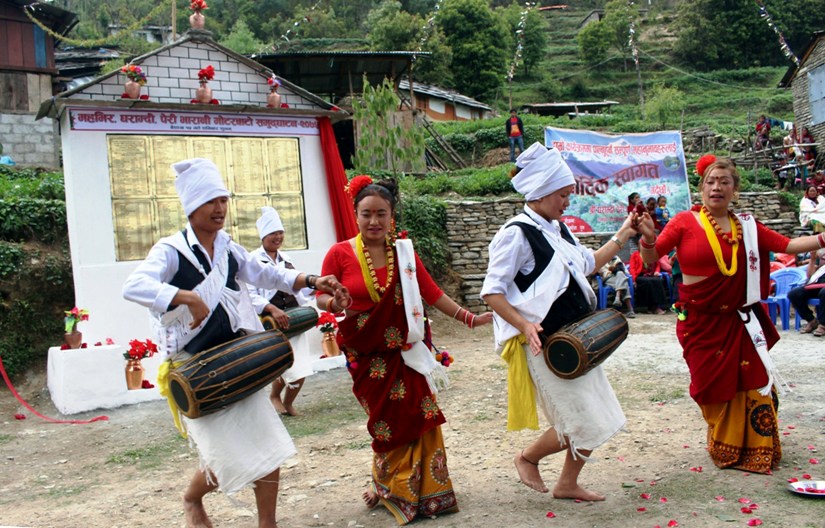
<point x="724" y="100"/>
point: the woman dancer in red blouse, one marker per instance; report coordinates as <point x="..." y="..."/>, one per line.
<point x="392" y="381"/>
<point x="724" y="330"/>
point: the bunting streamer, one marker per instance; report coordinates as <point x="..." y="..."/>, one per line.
<point x="293" y="30"/>
<point x="522" y="23"/>
<point x="427" y="30"/>
<point x="783" y="45"/>
<point x="631" y="39"/>
<point x="31" y="10"/>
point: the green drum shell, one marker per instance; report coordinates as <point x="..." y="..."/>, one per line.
<point x="230" y="372"/>
<point x="301" y="319"/>
<point x="580" y="346"/>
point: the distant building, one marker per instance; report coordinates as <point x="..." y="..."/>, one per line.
<point x="441" y="104"/>
<point x="160" y="35"/>
<point x="807" y="82"/>
<point x="27" y="77"/>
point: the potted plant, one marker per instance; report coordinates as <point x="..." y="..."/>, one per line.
<point x="137" y="78"/>
<point x="138" y="350"/>
<point x="203" y="95"/>
<point x="72" y="337"/>
<point x="196" y="19"/>
<point x="327" y="324"/>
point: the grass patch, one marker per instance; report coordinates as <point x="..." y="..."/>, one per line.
<point x="337" y="409"/>
<point x="357" y="445"/>
<point x="663" y="394"/>
<point x="5" y="438"/>
<point x="149" y="456"/>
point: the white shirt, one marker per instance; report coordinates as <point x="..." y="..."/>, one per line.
<point x="149" y="284"/>
<point x="261" y="296"/>
<point x="510" y="253"/>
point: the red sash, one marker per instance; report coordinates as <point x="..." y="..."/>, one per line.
<point x="397" y="399"/>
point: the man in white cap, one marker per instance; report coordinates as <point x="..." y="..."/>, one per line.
<point x="536" y="283"/>
<point x="189" y="282"/>
<point x="273" y="303"/>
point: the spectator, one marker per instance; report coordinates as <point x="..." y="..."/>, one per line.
<point x="818" y="181"/>
<point x="649" y="285"/>
<point x="813" y="289"/>
<point x="515" y="133"/>
<point x="650" y="205"/>
<point x="812" y="210"/>
<point x="614" y="275"/>
<point x="808" y="148"/>
<point x="662" y="212"/>
<point x="634" y="202"/>
<point x="763" y="133"/>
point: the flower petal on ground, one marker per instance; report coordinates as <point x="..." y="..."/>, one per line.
<point x="550" y="515"/>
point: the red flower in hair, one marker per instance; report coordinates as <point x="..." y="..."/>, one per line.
<point x="703" y="163"/>
<point x="356" y="184"/>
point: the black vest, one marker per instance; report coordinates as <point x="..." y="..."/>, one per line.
<point x="283" y="300"/>
<point x="217" y="329"/>
<point x="572" y="304"/>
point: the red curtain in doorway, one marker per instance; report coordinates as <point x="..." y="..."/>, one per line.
<point x="342" y="208"/>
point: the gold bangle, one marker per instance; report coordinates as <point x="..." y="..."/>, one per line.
<point x="618" y="242"/>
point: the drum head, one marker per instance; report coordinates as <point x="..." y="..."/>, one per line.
<point x="562" y="357"/>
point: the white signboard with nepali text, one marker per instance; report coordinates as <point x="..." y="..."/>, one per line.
<point x="609" y="168"/>
<point x="189" y="122"/>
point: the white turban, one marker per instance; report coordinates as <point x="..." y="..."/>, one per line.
<point x="542" y="172"/>
<point x="198" y="181"/>
<point x="269" y="222"/>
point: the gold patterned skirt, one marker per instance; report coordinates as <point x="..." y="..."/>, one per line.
<point x="413" y="479"/>
<point x="743" y="433"/>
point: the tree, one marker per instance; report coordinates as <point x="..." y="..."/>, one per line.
<point x="435" y="68"/>
<point x="533" y="39"/>
<point x="241" y="39"/>
<point x="663" y="104"/>
<point x="383" y="140"/>
<point x="618" y="15"/>
<point x="391" y="28"/>
<point x="727" y="34"/>
<point x="594" y="42"/>
<point x="475" y="37"/>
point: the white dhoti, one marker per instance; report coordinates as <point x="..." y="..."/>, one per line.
<point x="584" y="409"/>
<point x="242" y="443"/>
<point x="303" y="345"/>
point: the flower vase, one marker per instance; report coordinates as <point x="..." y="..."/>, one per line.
<point x="197" y="20"/>
<point x="204" y="93"/>
<point x="134" y="374"/>
<point x="329" y="345"/>
<point x="74" y="339"/>
<point x="132" y="89"/>
<point x="273" y="100"/>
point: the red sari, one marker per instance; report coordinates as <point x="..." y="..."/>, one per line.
<point x="725" y="369"/>
<point x="410" y="463"/>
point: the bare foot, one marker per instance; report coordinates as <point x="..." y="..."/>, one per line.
<point x="576" y="492"/>
<point x="289" y="410"/>
<point x="370" y="499"/>
<point x="196" y="514"/>
<point x="278" y="404"/>
<point x="528" y="472"/>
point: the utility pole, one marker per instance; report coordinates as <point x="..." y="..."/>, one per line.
<point x="174" y="21"/>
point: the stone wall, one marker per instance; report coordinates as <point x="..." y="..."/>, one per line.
<point x="29" y="142"/>
<point x="471" y="226"/>
<point x="801" y="95"/>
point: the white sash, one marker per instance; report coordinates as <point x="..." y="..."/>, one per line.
<point x="753" y="296"/>
<point x="418" y="357"/>
<point x="534" y="303"/>
<point x="173" y="327"/>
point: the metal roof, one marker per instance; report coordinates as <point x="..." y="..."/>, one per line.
<point x="442" y="93"/>
<point x="559" y="109"/>
<point x="339" y="73"/>
<point x="58" y="20"/>
<point x="790" y="75"/>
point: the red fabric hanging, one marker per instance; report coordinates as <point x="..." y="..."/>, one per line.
<point x="342" y="208"/>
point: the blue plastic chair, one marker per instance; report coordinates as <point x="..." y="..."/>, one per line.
<point x="604" y="291"/>
<point x="785" y="279"/>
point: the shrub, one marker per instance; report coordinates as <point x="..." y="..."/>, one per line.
<point x="425" y="218"/>
<point x="32" y="219"/>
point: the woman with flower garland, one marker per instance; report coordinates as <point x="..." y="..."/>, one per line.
<point x="386" y="343"/>
<point x="724" y="330"/>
